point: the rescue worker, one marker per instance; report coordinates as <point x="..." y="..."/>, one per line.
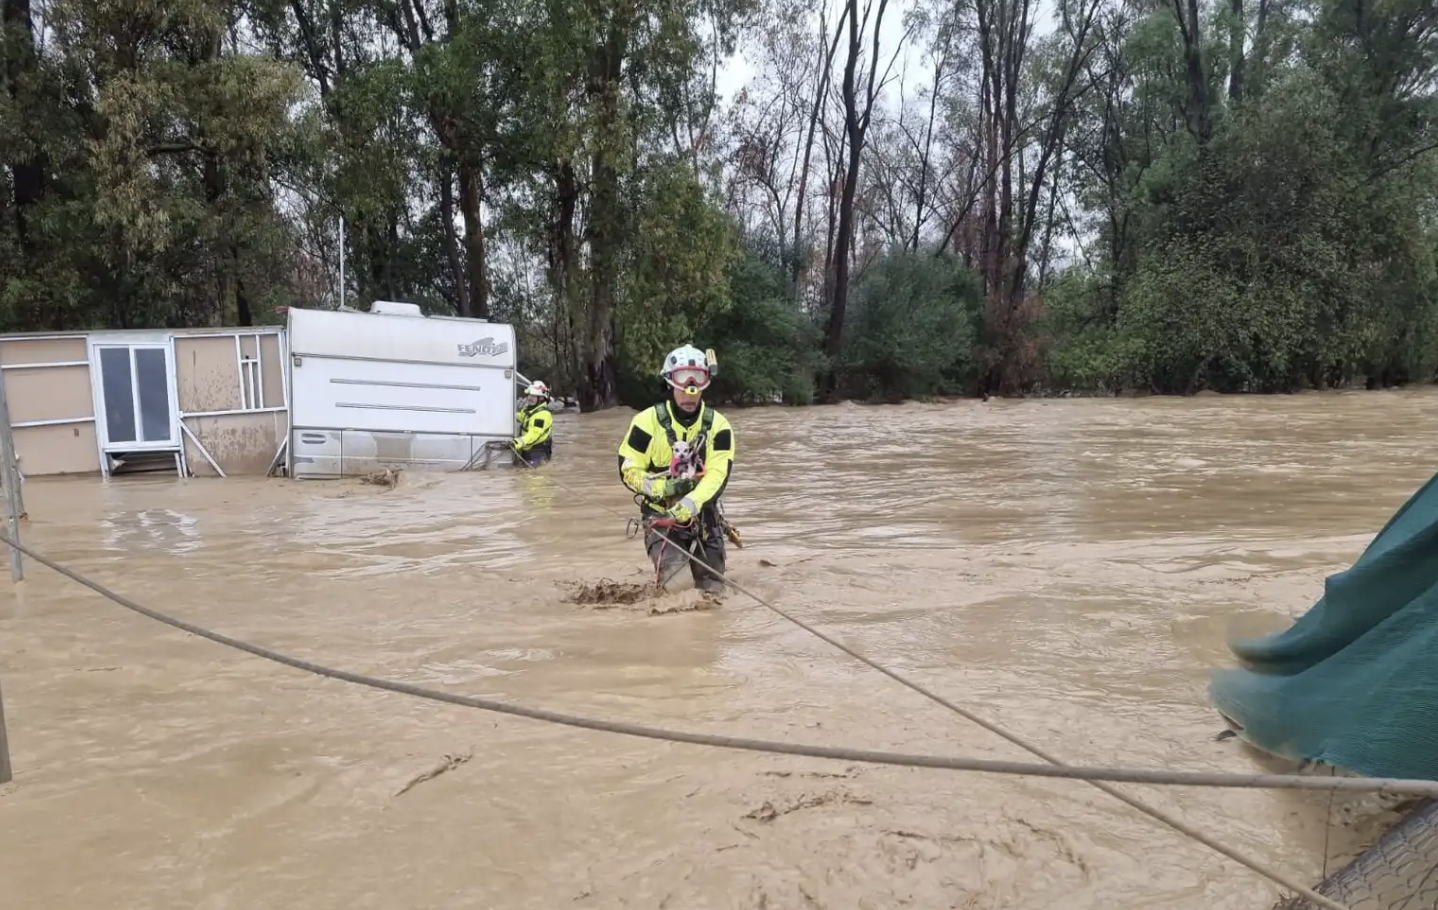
<point x="534" y="444"/>
<point x="677" y="456"/>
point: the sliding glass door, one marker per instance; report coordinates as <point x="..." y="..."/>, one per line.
<point x="136" y="394"/>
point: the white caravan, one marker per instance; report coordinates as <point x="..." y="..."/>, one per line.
<point x="393" y="388"/>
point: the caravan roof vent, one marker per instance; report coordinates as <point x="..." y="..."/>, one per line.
<point x="394" y="308"/>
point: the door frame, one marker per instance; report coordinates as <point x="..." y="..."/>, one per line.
<point x="161" y="340"/>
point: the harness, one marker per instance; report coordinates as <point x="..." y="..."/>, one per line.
<point x="686" y="461"/>
<point x="688" y="457"/>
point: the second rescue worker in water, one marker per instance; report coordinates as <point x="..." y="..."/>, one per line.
<point x="676" y="457"/>
<point x="535" y="443"/>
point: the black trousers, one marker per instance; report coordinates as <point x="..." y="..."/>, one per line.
<point x="704" y="539"/>
<point x="538" y="455"/>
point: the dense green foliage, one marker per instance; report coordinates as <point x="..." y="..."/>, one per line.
<point x="1156" y="194"/>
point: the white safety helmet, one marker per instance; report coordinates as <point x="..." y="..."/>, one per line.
<point x="537" y="389"/>
<point x="687" y="368"/>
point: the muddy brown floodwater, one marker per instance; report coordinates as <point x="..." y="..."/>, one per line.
<point x="1070" y="569"/>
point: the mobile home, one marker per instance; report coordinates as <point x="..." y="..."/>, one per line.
<point x="187" y="401"/>
<point x="393" y="388"/>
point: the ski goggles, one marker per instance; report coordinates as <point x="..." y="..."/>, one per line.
<point x="693" y="378"/>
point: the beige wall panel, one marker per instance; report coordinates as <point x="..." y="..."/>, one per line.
<point x="58" y="449"/>
<point x="43" y="350"/>
<point x="240" y="443"/>
<point x="206" y="375"/>
<point x="49" y="393"/>
<point x="272" y="371"/>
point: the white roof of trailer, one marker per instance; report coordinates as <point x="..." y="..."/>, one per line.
<point x="420" y="339"/>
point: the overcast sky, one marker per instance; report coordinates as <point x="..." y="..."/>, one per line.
<point x="736" y="72"/>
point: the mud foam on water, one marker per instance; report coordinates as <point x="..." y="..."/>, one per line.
<point x="648" y="597"/>
<point x="609" y="593"/>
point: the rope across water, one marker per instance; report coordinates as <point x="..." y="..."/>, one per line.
<point x="950" y="763"/>
<point x="1097" y="776"/>
<point x="1156" y="814"/>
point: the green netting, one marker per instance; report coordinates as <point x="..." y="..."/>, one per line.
<point x="1354" y="682"/>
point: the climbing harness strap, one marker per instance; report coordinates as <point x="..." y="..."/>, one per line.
<point x="666" y="422"/>
<point x="662" y="524"/>
<point x="693" y="449"/>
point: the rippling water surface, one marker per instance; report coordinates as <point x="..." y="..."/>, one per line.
<point x="1070" y="569"/>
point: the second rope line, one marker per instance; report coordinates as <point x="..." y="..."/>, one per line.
<point x="1133" y="802"/>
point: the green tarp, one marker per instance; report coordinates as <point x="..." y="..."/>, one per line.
<point x="1354" y="682"/>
